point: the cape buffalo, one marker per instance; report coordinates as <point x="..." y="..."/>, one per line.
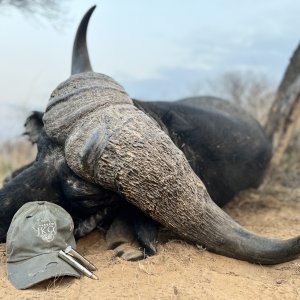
<point x="98" y="148"/>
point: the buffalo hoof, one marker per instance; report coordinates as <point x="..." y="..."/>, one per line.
<point x="130" y="252"/>
<point x="121" y="237"/>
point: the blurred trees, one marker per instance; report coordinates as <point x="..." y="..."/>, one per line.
<point x="49" y="9"/>
<point x="250" y="90"/>
<point x="277" y="110"/>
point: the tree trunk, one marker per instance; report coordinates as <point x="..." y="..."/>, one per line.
<point x="285" y="110"/>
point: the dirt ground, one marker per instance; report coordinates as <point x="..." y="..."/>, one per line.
<point x="184" y="271"/>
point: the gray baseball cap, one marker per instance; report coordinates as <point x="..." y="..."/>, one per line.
<point x="36" y="234"/>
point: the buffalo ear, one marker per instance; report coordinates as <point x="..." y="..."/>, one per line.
<point x="33" y="126"/>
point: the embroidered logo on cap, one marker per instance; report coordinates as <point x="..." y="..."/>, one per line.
<point x="46" y="230"/>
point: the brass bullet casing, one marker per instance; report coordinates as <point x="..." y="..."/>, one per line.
<point x="73" y="262"/>
<point x="69" y="250"/>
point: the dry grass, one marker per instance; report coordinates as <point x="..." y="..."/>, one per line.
<point x="287" y="173"/>
<point x="14" y="155"/>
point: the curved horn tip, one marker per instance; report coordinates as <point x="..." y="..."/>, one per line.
<point x="80" y="57"/>
<point x="90" y="11"/>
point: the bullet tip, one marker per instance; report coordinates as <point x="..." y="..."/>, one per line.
<point x="94" y="277"/>
<point x="93" y="268"/>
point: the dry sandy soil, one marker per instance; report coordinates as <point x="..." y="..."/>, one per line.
<point x="184" y="271"/>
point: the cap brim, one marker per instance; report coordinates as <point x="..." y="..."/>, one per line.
<point x="25" y="274"/>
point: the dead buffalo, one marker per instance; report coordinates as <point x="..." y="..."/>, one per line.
<point x="105" y="150"/>
<point x="219" y="157"/>
<point x="98" y="151"/>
